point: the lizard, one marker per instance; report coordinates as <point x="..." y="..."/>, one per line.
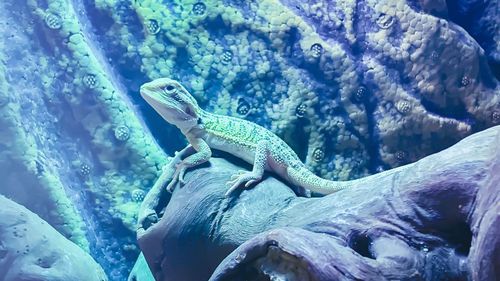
<point x="241" y="138"/>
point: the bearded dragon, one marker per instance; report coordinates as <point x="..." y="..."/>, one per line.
<point x="246" y="140"/>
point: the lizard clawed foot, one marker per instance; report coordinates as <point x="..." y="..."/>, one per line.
<point x="171" y="185"/>
<point x="177" y="177"/>
<point x="240" y="178"/>
<point x="147" y="218"/>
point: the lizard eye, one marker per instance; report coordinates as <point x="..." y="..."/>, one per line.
<point x="169" y="88"/>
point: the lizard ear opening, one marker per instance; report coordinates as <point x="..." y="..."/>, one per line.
<point x="191" y="111"/>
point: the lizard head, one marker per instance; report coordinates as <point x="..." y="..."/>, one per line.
<point x="172" y="101"/>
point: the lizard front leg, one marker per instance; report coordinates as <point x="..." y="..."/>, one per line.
<point x="147" y="214"/>
<point x="254" y="176"/>
<point x="202" y="155"/>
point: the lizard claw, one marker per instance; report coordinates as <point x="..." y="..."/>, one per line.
<point x="242" y="177"/>
<point x="147" y="218"/>
<point x="235" y="176"/>
<point x="171" y="185"/>
<point x="250" y="182"/>
<point x="177" y="177"/>
<point x="181" y="172"/>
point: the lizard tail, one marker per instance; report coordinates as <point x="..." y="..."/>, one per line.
<point x="302" y="177"/>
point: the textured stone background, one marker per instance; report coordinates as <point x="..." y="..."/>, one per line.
<point x="355" y="87"/>
<point x="32" y="250"/>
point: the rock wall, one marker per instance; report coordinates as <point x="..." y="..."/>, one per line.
<point x="31" y="250"/>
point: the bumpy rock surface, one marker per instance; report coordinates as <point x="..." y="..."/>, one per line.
<point x="436" y="219"/>
<point x="371" y="84"/>
<point x="32" y="250"/>
<point x="72" y="149"/>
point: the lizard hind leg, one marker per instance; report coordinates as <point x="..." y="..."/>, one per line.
<point x="247" y="178"/>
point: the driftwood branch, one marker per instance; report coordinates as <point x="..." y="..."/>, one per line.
<point x="436" y="219"/>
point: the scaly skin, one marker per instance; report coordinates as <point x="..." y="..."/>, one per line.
<point x="254" y="144"/>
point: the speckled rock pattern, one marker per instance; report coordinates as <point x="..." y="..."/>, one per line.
<point x="354" y="86"/>
<point x="72" y="148"/>
<point x="32" y="250"/>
